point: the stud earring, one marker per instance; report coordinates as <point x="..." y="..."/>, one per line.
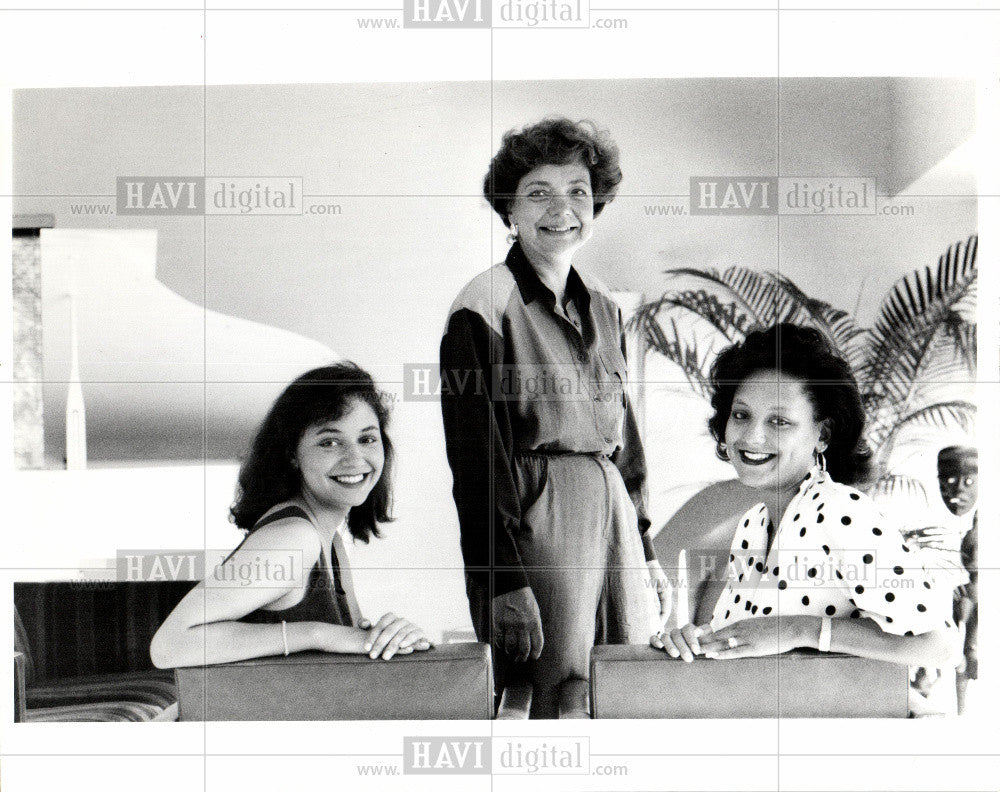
<point x="722" y="451"/>
<point x="512" y="236"/>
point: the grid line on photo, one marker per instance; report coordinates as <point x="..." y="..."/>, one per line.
<point x="204" y="413"/>
<point x="622" y="754"/>
<point x="492" y="527"/>
<point x="778" y="263"/>
<point x="401" y="383"/>
<point x="776" y="9"/>
<point x="477" y="196"/>
<point x="85" y="582"/>
<point x="793" y="585"/>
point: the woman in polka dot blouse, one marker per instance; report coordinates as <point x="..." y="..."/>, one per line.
<point x="814" y="564"/>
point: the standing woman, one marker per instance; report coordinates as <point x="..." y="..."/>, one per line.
<point x="549" y="473"/>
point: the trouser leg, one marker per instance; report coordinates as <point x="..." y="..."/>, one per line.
<point x="586" y="585"/>
<point x="628" y="601"/>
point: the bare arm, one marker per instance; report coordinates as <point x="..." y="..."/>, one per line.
<point x="859" y="637"/>
<point x="229" y="641"/>
<point x="204" y="627"/>
<point x="704" y="527"/>
<point x="864" y="638"/>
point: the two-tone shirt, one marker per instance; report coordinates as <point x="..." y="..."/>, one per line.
<point x="521" y="374"/>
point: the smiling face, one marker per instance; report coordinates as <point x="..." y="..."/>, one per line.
<point x="340" y="461"/>
<point x="772" y="433"/>
<point x="553" y="210"/>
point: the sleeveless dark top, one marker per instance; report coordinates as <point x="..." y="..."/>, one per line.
<point x="321" y="602"/>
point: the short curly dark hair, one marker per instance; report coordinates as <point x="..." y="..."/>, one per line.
<point x="805" y="354"/>
<point x="268" y="476"/>
<point x="552" y="141"/>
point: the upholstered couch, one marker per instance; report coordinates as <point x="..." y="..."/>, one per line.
<point x="640" y="682"/>
<point x="82" y="651"/>
<point x="82" y="654"/>
<point x="448" y="682"/>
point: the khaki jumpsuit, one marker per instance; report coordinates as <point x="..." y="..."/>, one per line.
<point x="549" y="473"/>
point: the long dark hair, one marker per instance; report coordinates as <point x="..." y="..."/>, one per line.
<point x="267" y="475"/>
<point x="803" y="353"/>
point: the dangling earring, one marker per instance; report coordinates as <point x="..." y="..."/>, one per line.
<point x="721" y="451"/>
<point x="820" y="459"/>
<point x="512" y="236"/>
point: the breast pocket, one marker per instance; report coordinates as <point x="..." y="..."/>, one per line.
<point x="610" y="397"/>
<point x="615" y="373"/>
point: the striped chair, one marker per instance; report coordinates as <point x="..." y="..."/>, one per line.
<point x="82" y="651"/>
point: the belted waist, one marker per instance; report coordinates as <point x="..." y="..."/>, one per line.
<point x="559" y="453"/>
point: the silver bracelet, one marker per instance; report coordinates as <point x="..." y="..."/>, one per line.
<point x="825" y="634"/>
<point x="284" y="636"/>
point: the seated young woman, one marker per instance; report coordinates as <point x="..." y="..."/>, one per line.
<point x="813" y="564"/>
<point x="317" y="478"/>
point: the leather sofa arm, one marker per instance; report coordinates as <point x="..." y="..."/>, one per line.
<point x="454" y="681"/>
<point x="642" y="682"/>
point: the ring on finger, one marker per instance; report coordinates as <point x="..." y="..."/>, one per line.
<point x="733" y="643"/>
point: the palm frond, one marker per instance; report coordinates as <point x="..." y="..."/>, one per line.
<point x="838" y="326"/>
<point x="725" y="318"/>
<point x="896" y="486"/>
<point x="755" y="294"/>
<point x="954" y="416"/>
<point x="944" y="355"/>
<point x="915" y="308"/>
<point x="681" y="350"/>
<point x="761" y="291"/>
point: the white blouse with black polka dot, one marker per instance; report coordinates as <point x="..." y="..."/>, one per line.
<point x="834" y="555"/>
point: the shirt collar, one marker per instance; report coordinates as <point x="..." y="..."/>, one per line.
<point x="344" y="533"/>
<point x="814" y="478"/>
<point x="531" y="286"/>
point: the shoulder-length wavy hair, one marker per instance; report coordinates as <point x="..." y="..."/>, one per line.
<point x="552" y="141"/>
<point x="267" y="475"/>
<point x="805" y="354"/>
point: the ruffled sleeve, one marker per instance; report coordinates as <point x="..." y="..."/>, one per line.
<point x="883" y="578"/>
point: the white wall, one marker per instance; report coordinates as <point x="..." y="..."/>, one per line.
<point x="405" y="163"/>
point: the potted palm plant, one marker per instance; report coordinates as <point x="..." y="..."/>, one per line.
<point x="916" y="365"/>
